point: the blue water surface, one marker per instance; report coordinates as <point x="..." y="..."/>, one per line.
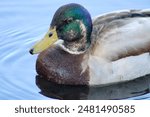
<point x="22" y="23"/>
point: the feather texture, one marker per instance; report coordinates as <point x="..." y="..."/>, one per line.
<point x="118" y="35"/>
<point x="120" y="47"/>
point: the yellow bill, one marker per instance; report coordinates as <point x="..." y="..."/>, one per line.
<point x="50" y="38"/>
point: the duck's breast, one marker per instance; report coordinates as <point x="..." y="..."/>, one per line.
<point x="61" y="67"/>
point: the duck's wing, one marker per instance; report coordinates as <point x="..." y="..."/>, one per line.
<point x="121" y="34"/>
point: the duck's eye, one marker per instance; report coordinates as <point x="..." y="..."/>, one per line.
<point x="69" y="20"/>
<point x="50" y="34"/>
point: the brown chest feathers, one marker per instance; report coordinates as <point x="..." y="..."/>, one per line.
<point x="61" y="67"/>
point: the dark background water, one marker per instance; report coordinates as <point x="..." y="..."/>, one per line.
<point x="22" y="23"/>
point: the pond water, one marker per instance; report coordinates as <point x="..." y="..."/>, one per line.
<point x="22" y="23"/>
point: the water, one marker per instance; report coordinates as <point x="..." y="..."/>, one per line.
<point x="22" y="23"/>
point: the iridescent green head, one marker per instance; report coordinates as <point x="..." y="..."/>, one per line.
<point x="71" y="23"/>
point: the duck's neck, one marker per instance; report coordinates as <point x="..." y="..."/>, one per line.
<point x="79" y="46"/>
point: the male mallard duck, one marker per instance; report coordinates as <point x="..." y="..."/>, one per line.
<point x="114" y="48"/>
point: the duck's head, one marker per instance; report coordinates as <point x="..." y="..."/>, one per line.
<point x="72" y="25"/>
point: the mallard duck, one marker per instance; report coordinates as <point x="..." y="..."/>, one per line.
<point x="112" y="48"/>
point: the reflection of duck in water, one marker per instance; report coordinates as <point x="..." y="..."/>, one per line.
<point x="116" y="50"/>
<point x="129" y="89"/>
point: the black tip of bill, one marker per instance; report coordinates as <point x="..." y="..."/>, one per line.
<point x="31" y="51"/>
